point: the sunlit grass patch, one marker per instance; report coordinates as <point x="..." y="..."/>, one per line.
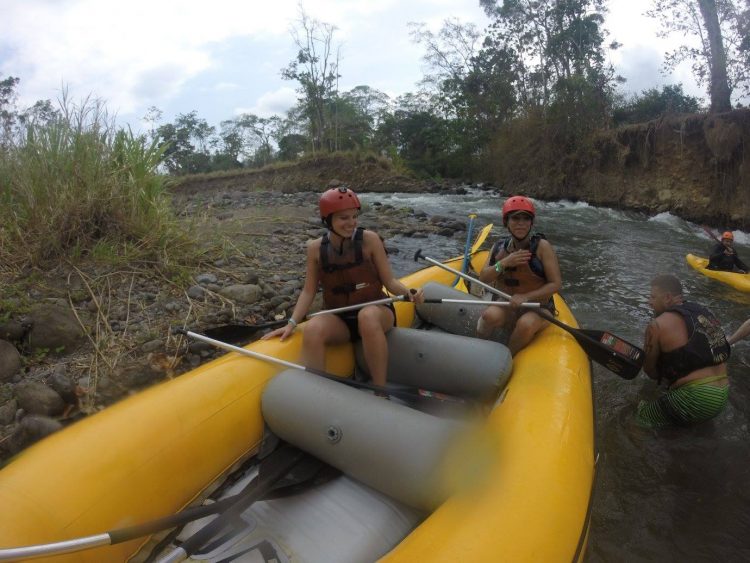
<point x="73" y="185"/>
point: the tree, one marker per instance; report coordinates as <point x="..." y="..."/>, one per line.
<point x="554" y="41"/>
<point x="652" y="104"/>
<point x="425" y="141"/>
<point x="42" y="112"/>
<point x="474" y="83"/>
<point x="152" y="117"/>
<point x="7" y="108"/>
<point x="718" y="60"/>
<point x="188" y="143"/>
<point x="316" y="69"/>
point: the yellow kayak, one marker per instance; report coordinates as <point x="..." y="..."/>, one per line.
<point x="737" y="281"/>
<point x="169" y="447"/>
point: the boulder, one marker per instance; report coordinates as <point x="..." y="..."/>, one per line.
<point x="35" y="397"/>
<point x="10" y="361"/>
<point x="54" y="329"/>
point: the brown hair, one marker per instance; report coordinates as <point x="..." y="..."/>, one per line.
<point x="668" y="283"/>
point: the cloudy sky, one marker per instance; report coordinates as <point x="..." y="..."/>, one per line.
<point x="223" y="57"/>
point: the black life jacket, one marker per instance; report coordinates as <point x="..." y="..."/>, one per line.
<point x="706" y="346"/>
<point x="345" y="276"/>
<point x="519" y="279"/>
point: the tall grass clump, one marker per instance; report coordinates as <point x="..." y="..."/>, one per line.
<point x="73" y="183"/>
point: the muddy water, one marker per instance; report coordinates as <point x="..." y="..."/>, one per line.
<point x="671" y="495"/>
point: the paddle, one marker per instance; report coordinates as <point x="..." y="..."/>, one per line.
<point x="467" y="254"/>
<point x="264" y="483"/>
<point x="614" y="353"/>
<point x="285" y="461"/>
<point x="482" y="303"/>
<point x="241" y="332"/>
<point x="710" y="233"/>
<point x="409" y="394"/>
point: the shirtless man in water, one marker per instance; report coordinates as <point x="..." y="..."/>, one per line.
<point x="685" y="346"/>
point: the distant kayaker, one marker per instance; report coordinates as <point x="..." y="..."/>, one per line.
<point x="740" y="334"/>
<point x="685" y="347"/>
<point x="352" y="267"/>
<point x="525" y="266"/>
<point x="724" y="257"/>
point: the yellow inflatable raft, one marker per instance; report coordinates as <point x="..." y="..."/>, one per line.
<point x="168" y="447"/>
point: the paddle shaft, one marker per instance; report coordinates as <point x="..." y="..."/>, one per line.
<point x="486" y="286"/>
<point x="599" y="346"/>
<point x="478" y="302"/>
<point x="239" y="331"/>
<point x="465" y="263"/>
<point x="405" y="394"/>
<point x="710" y="233"/>
<point x="383" y="301"/>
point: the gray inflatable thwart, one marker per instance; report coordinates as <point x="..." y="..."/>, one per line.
<point x="453" y="317"/>
<point x="393" y="449"/>
<point x="446" y="363"/>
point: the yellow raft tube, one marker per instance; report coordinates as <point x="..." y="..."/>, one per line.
<point x="136" y="461"/>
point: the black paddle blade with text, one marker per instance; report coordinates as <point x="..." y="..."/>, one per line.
<point x="617" y="355"/>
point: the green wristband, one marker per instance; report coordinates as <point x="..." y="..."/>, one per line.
<point x="499" y="267"/>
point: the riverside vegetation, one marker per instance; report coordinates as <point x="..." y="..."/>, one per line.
<point x="100" y="255"/>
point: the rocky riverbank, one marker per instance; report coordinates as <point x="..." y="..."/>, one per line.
<point x="82" y="336"/>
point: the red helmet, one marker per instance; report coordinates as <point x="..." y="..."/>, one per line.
<point x="517" y="203"/>
<point x="728" y="235"/>
<point x="337" y="199"/>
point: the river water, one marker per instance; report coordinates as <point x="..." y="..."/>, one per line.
<point x="669" y="495"/>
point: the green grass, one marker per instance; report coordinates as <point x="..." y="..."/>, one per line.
<point x="76" y="186"/>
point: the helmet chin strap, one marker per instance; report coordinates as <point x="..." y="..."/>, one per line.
<point x="329" y="224"/>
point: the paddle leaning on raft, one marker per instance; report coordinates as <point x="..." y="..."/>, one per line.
<point x="414" y="486"/>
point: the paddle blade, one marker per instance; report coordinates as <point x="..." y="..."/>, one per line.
<point x="481" y="237"/>
<point x="617" y="355"/>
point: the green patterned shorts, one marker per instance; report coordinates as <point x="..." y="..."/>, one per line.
<point x="693" y="402"/>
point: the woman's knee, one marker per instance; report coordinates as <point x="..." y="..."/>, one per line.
<point x="319" y="331"/>
<point x="493" y="316"/>
<point x="374" y="319"/>
<point x="528" y="325"/>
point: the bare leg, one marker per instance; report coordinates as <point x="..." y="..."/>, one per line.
<point x="320" y="331"/>
<point x="491" y="318"/>
<point x="374" y="322"/>
<point x="523" y="333"/>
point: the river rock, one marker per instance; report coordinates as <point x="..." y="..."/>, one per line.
<point x="244" y="293"/>
<point x="10" y="361"/>
<point x="12" y="331"/>
<point x="35" y="397"/>
<point x="54" y="329"/>
<point x="8" y="411"/>
<point x="31" y="429"/>
<point x="63" y="385"/>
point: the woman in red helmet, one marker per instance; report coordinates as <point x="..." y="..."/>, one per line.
<point x="525" y="266"/>
<point x="351" y="266"/>
<point x="724" y="256"/>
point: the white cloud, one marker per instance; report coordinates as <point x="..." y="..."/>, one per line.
<point x="271" y="103"/>
<point x="221" y="57"/>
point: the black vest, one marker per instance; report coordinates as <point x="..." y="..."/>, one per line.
<point x="706" y="346"/>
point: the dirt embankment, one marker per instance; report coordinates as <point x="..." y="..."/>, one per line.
<point x="366" y="173"/>
<point x="690" y="165"/>
<point x="693" y="166"/>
